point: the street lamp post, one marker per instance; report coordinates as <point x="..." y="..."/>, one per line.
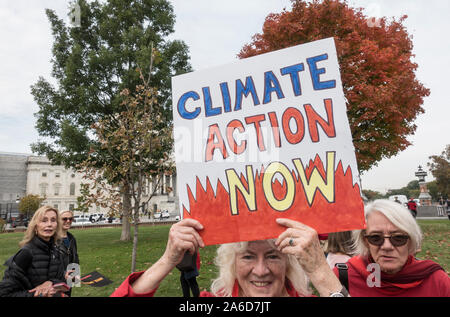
<point x="424" y="197"/>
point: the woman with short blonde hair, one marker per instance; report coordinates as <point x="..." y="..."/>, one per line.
<point x="68" y="243"/>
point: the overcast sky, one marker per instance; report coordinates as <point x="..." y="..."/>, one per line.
<point x="215" y="31"/>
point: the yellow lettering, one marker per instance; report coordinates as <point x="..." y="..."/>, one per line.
<point x="286" y="202"/>
<point x="316" y="181"/>
<point x="234" y="183"/>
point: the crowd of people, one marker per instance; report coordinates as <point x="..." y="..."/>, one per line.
<point x="378" y="260"/>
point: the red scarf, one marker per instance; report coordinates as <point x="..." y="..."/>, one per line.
<point x="411" y="275"/>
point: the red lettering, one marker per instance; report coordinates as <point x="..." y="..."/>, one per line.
<point x="293" y="113"/>
<point x="233" y="125"/>
<point x="275" y="128"/>
<point x="315" y="119"/>
<point x="211" y="146"/>
<point x="256" y="122"/>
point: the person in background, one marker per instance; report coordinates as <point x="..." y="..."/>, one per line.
<point x="189" y="270"/>
<point x="37" y="266"/>
<point x="266" y="268"/>
<point x="339" y="248"/>
<point x="68" y="244"/>
<point x="385" y="264"/>
<point x="448" y="207"/>
<point x="412" y="206"/>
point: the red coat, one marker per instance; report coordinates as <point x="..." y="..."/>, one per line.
<point x="416" y="279"/>
<point x="412" y="205"/>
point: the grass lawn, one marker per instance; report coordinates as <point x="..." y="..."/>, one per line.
<point x="100" y="250"/>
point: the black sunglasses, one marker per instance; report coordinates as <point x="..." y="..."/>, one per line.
<point x="397" y="240"/>
<point x="67" y="218"/>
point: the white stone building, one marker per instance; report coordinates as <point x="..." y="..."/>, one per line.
<point x="61" y="187"/>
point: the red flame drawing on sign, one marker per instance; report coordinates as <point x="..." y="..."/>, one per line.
<point x="220" y="226"/>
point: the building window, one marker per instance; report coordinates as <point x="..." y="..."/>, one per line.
<point x="144" y="187"/>
<point x="174" y="184"/>
<point x="71" y="207"/>
<point x="57" y="188"/>
<point x="167" y="183"/>
<point x="57" y="175"/>
<point x="43" y="189"/>
<point x="154" y="191"/>
<point x="72" y="189"/>
<point x="55" y="206"/>
<point x="161" y="179"/>
<point x="44" y="174"/>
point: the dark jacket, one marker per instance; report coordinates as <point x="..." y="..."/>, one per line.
<point x="70" y="253"/>
<point x="36" y="262"/>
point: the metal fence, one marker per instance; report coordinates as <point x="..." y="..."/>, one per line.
<point x="9" y="211"/>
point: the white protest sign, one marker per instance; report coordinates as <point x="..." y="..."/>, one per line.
<point x="263" y="138"/>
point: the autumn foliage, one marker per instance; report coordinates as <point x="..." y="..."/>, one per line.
<point x="378" y="74"/>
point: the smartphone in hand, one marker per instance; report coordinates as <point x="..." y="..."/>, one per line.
<point x="62" y="287"/>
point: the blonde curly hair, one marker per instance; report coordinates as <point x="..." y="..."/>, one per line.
<point x="225" y="261"/>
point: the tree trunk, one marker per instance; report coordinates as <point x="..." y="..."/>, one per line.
<point x="135" y="239"/>
<point x="126" y="236"/>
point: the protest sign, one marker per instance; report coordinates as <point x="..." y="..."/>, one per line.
<point x="263" y="138"/>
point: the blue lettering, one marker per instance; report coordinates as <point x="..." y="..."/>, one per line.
<point x="182" y="105"/>
<point x="295" y="79"/>
<point x="271" y="84"/>
<point x="209" y="110"/>
<point x="225" y="97"/>
<point x="245" y="90"/>
<point x="316" y="72"/>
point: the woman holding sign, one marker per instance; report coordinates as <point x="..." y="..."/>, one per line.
<point x="274" y="268"/>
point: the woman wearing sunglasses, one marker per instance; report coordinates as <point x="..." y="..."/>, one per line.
<point x="386" y="265"/>
<point x="68" y="244"/>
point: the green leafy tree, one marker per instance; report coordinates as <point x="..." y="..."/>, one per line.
<point x="433" y="190"/>
<point x="139" y="141"/>
<point x="29" y="204"/>
<point x="92" y="63"/>
<point x="440" y="168"/>
<point x="372" y="194"/>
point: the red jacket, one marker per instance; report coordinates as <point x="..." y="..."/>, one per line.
<point x="416" y="279"/>
<point x="412" y="205"/>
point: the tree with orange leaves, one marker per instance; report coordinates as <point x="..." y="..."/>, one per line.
<point x="383" y="94"/>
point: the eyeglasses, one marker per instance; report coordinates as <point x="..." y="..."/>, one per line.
<point x="397" y="240"/>
<point x="67" y="219"/>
